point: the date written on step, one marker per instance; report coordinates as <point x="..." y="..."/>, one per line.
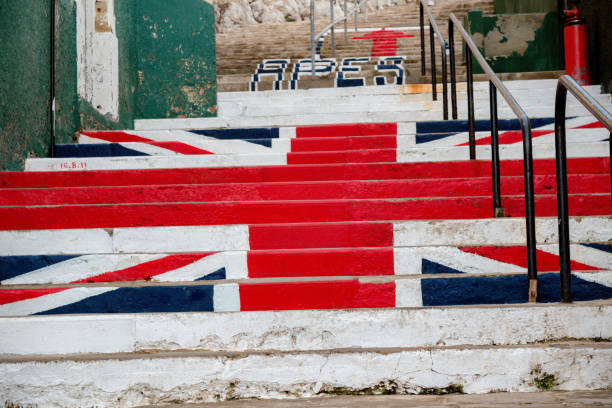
<point x="70" y="165"/>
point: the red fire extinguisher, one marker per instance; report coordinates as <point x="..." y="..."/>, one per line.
<point x="576" y="47"/>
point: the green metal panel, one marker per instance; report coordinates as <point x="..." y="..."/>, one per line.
<point x="24" y="78"/>
<point x="176" y="59"/>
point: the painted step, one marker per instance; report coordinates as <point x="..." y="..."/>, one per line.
<point x="304" y="330"/>
<point x="320" y="190"/>
<point x="337" y="262"/>
<point x="195" y="376"/>
<point x="371" y="171"/>
<point x="232" y="213"/>
<point x="385" y="292"/>
<point x="401" y="154"/>
<point x="177" y="239"/>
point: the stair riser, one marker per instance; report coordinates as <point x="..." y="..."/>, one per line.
<point x="390" y="171"/>
<point x="113" y="381"/>
<point x="40" y="270"/>
<point x="152" y="240"/>
<point x="337" y="294"/>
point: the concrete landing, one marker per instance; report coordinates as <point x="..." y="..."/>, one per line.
<point x="495" y="400"/>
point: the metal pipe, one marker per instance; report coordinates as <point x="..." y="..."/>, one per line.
<point x="566" y="84"/>
<point x="470" y="90"/>
<point x="562" y="200"/>
<point x="498" y="211"/>
<point x="444" y="84"/>
<point x="312" y="38"/>
<point x="434" y="87"/>
<point x="422" y="25"/>
<point x="52" y="79"/>
<point x="527" y="153"/>
<point x="345" y="23"/>
<point x="333" y="33"/>
<point x="356" y="12"/>
<point x="451" y="41"/>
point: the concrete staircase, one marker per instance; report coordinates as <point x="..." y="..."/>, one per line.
<point x="274" y="51"/>
<point x="327" y="242"/>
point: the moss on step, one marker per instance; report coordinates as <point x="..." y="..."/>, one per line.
<point x="451" y="389"/>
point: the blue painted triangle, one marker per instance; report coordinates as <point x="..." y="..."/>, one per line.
<point x="11" y="266"/>
<point x="219" y="274"/>
<point x="430" y="267"/>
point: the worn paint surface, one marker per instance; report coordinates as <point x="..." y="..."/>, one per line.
<point x="24" y="79"/>
<point x="516" y="42"/>
<point x="176" y="59"/>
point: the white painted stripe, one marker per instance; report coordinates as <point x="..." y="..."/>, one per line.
<point x="408" y="293"/>
<point x="513" y="152"/>
<point x="156" y="162"/>
<point x="287" y="132"/>
<point x="601" y="277"/>
<point x="141" y="240"/>
<point x="586" y="255"/>
<point x="406" y="128"/>
<point x="236" y="266"/>
<point x="181" y="239"/>
<point x="79" y="268"/>
<point x="226" y="297"/>
<point x="56" y="242"/>
<point x="193" y="271"/>
<point x="408" y="261"/>
<point x="498" y="231"/>
<point x="572" y="136"/>
<point x="50" y="301"/>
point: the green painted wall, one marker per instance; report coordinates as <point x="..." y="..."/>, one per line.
<point x="516" y="42"/>
<point x="176" y="59"/>
<point x="24" y="78"/>
<point x="524" y="6"/>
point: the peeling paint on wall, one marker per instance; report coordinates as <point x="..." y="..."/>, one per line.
<point x="516" y="42"/>
<point x="98" y="56"/>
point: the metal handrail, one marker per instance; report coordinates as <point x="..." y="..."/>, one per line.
<point x="314" y="38"/>
<point x="496" y="85"/>
<point x="566" y="83"/>
<point x="433" y="28"/>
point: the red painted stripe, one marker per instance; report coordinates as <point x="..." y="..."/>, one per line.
<point x="317" y="144"/>
<point x="594" y="125"/>
<point x="179" y="147"/>
<point x="122" y="137"/>
<point x="349" y="156"/>
<point x="365" y="171"/>
<point x="306" y="190"/>
<point x="316" y="295"/>
<point x="510" y="137"/>
<point x="326" y="262"/>
<point x="116" y="137"/>
<point x="146" y="270"/>
<point x="183" y="214"/>
<point x="517" y="255"/>
<point x="361" y="129"/>
<point x="16" y="295"/>
<point x="324" y="235"/>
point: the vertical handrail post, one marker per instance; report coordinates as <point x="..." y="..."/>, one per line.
<point x="453" y="74"/>
<point x="434" y="87"/>
<point x="532" y="270"/>
<point x="470" y="90"/>
<point x="356" y="12"/>
<point x="345" y="23"/>
<point x="562" y="200"/>
<point x="422" y="24"/>
<point x="333" y="34"/>
<point x="444" y="82"/>
<point x="498" y="211"/>
<point x="312" y="38"/>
